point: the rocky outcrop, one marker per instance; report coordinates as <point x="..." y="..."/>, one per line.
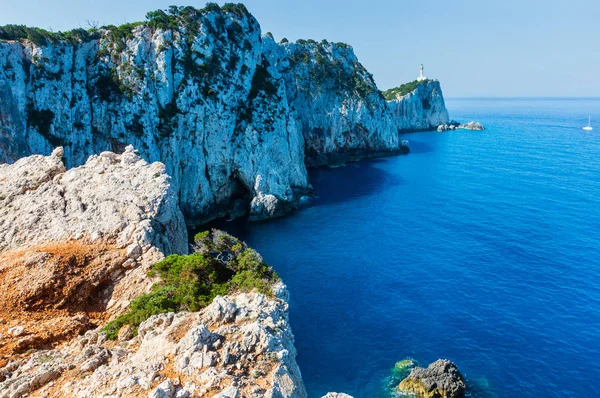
<point x="239" y="346"/>
<point x="75" y="245"/>
<point x="116" y="199"/>
<point x="231" y="114"/>
<point x="422" y="109"/>
<point x="454" y="125"/>
<point x="471" y="126"/>
<point x="336" y="395"/>
<point x="441" y="379"/>
<point x="342" y="113"/>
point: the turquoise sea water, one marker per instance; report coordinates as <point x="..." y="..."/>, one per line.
<point x="479" y="247"/>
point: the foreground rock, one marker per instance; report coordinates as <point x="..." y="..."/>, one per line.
<point x="75" y="245"/>
<point x="239" y="346"/>
<point x="336" y="395"/>
<point x="441" y="379"/>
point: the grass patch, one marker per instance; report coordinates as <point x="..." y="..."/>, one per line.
<point x="220" y="265"/>
<point x="401" y="91"/>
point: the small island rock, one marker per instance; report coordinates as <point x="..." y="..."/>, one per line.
<point x="471" y="126"/>
<point x="441" y="379"/>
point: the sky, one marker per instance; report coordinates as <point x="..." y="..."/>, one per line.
<point x="476" y="48"/>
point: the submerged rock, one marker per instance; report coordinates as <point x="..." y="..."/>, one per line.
<point x="441" y="379"/>
<point x="405" y="365"/>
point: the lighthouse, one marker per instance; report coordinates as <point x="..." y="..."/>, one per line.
<point x="421" y="77"/>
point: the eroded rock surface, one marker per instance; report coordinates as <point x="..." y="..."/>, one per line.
<point x="441" y="379"/>
<point x="239" y="346"/>
<point x="75" y="245"/>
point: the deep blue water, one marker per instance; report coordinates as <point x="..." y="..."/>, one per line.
<point x="479" y="247"/>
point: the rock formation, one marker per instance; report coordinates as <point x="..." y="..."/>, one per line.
<point x="239" y="346"/>
<point x="422" y="109"/>
<point x="454" y="125"/>
<point x="76" y="249"/>
<point x="68" y="236"/>
<point x="343" y="115"/>
<point x="229" y="112"/>
<point x="471" y="126"/>
<point x="441" y="379"/>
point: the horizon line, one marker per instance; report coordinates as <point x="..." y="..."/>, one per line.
<point x="523" y="97"/>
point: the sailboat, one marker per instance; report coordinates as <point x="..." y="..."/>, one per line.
<point x="589" y="126"/>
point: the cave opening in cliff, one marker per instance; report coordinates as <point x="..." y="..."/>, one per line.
<point x="239" y="200"/>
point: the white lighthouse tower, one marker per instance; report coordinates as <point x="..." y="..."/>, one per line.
<point x="421" y="76"/>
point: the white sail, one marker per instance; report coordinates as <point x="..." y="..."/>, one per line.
<point x="589" y="126"/>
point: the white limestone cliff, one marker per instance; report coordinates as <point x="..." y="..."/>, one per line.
<point x="342" y="113"/>
<point x="231" y="114"/>
<point x="422" y="109"/>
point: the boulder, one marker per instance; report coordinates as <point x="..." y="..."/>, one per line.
<point x="441" y="379"/>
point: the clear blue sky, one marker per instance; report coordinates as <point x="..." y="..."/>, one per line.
<point x="474" y="47"/>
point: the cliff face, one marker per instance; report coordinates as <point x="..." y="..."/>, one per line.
<point x="231" y="114"/>
<point x="422" y="109"/>
<point x="341" y="111"/>
<point x="198" y="97"/>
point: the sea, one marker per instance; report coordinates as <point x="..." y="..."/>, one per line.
<point x="482" y="247"/>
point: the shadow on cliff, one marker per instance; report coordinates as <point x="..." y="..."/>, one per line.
<point x="355" y="180"/>
<point x="416" y="146"/>
<point x="332" y="185"/>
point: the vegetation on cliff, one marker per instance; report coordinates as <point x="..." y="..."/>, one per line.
<point x="394" y="93"/>
<point x="327" y="70"/>
<point x="220" y="265"/>
<point x="172" y="18"/>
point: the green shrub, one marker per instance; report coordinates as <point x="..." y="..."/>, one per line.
<point x="42" y="37"/>
<point x="237" y="9"/>
<point x="401" y="91"/>
<point x="222" y="264"/>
